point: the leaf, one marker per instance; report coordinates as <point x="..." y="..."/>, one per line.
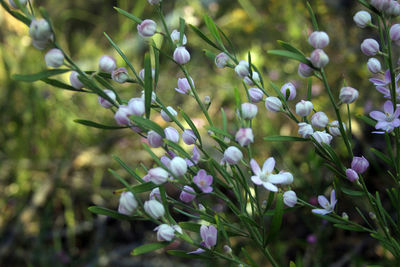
<point x="380" y="155"/>
<point x="209" y="54"/>
<point x="181" y="30"/>
<point x="128" y="15"/>
<point x="279" y="138"/>
<point x="351" y="192"/>
<point x="129" y="170"/>
<point x="38" y="76"/>
<point x="142" y="188"/>
<point x="219" y="131"/>
<point x="290" y="48"/>
<point x="289" y="54"/>
<point x="190" y="226"/>
<point x="349" y="227"/>
<point x="203" y="36"/>
<point x="148" y="84"/>
<point x="248" y="220"/>
<point x="213" y="29"/>
<point x="249" y="259"/>
<point x="99" y="126"/>
<point x="367" y="120"/>
<point x="110" y="213"/>
<point x="312" y="16"/>
<point x="277" y="219"/>
<point x="148" y="124"/>
<point x="62" y="85"/>
<point x="146" y="248"/>
<point x="329" y="218"/>
<point x="16" y="14"/>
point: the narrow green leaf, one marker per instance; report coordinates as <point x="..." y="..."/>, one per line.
<point x="249" y="259"/>
<point x="16" y="14"/>
<point x="190" y="226"/>
<point x="219" y="131"/>
<point x="143" y="188"/>
<point x="224" y="120"/>
<point x="380" y="207"/>
<point x="290" y="48"/>
<point x="209" y="54"/>
<point x="146" y="248"/>
<point x="229" y="42"/>
<point x="367" y="120"/>
<point x="181" y="30"/>
<point x="312" y="16"/>
<point x="213" y="29"/>
<point x="110" y="213"/>
<point x="178" y="149"/>
<point x="99" y="126"/>
<point x="148" y="125"/>
<point x="277" y="219"/>
<point x="38" y="76"/>
<point x="351" y="192"/>
<point x="279" y="138"/>
<point x="248" y="220"/>
<point x="148" y="84"/>
<point x="62" y="85"/>
<point x="129" y="170"/>
<point x="329" y="218"/>
<point x="128" y="15"/>
<point x="288" y="54"/>
<point x="203" y="36"/>
<point x="349" y="227"/>
<point x="380" y="155"/>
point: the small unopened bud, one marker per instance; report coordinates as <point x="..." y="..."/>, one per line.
<point x="155" y="194"/>
<point x="14" y="5"/>
<point x="362" y="19"/>
<point x="370" y="47"/>
<point x="304" y="108"/>
<point x="288" y="91"/>
<point x="242" y="69"/>
<point x="136" y="106"/>
<point x="181" y="55"/>
<point x="372" y="215"/>
<point x="322" y="137"/>
<point x="255" y="78"/>
<point x="394" y="9"/>
<point x="345" y="216"/>
<point x="255" y="95"/>
<point x="156" y="175"/>
<point x="334" y="128"/>
<point x="188" y="194"/>
<point x="351" y="175"/>
<point x="319" y="120"/>
<point x="305" y="130"/>
<point x="75" y="82"/>
<point x="207" y="100"/>
<point x="189" y="137"/>
<point x="374" y="66"/>
<point x="154" y="139"/>
<point x="319" y="58"/>
<point x="304" y="70"/>
<point x="233" y="155"/>
<point x="178" y="166"/>
<point x="221" y="60"/>
<point x="202" y="208"/>
<point x="40" y="30"/>
<point x="141" y="74"/>
<point x="227" y="140"/>
<point x="227" y="249"/>
<point x="120" y="75"/>
<point x="165" y="232"/>
<point x="105" y="103"/>
<point x="127" y="203"/>
<point x="244" y="136"/>
<point x="147" y="28"/>
<point x="381" y="5"/>
<point x="290" y="198"/>
<point x="184" y="86"/>
<point x="273" y="104"/>
<point x="175" y="35"/>
<point x="171" y="134"/>
<point x="154" y="209"/>
<point x="395" y="33"/>
<point x="107" y="64"/>
<point x="54" y="58"/>
<point x="359" y="164"/>
<point x="318" y="39"/>
<point x="166" y="117"/>
<point x="249" y="111"/>
<point x="348" y="95"/>
<point x="122" y="115"/>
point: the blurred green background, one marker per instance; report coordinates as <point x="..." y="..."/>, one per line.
<point x="52" y="169"/>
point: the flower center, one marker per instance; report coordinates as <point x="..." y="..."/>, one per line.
<point x="264" y="176"/>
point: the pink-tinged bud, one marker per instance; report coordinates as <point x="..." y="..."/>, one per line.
<point x="348" y="95"/>
<point x="305" y="130"/>
<point x="374" y="66"/>
<point x="288" y="91"/>
<point x="105" y="103"/>
<point x="189" y="137"/>
<point x="232" y="155"/>
<point x="178" y="166"/>
<point x="153" y="97"/>
<point x="165" y="116"/>
<point x="136" y="106"/>
<point x="175" y="35"/>
<point x="322" y="137"/>
<point x="351" y="175"/>
<point x="14" y="5"/>
<point x="171" y="134"/>
<point x="147" y="28"/>
<point x="362" y="19"/>
<point x="304" y="70"/>
<point x="318" y="39"/>
<point x="154" y="2"/>
<point x="319" y="120"/>
<point x="154" y="209"/>
<point x="188" y="194"/>
<point x="304" y="108"/>
<point x="290" y="198"/>
<point x="120" y="75"/>
<point x="395" y="33"/>
<point x="141" y="74"/>
<point x="255" y="95"/>
<point x="249" y="111"/>
<point x="227" y="249"/>
<point x="244" y="136"/>
<point x="184" y="86"/>
<point x="155" y="194"/>
<point x="381" y="5"/>
<point x="75" y="82"/>
<point x="334" y="128"/>
<point x="127" y="203"/>
<point x="122" y="115"/>
<point x="156" y="175"/>
<point x="242" y="69"/>
<point x="221" y="60"/>
<point x="273" y="104"/>
<point x="359" y="164"/>
<point x="40" y="30"/>
<point x="345" y="216"/>
<point x="319" y="58"/>
<point x="107" y="64"/>
<point x="181" y="55"/>
<point x="370" y="47"/>
<point x="165" y="232"/>
<point x="255" y="77"/>
<point x="54" y="58"/>
<point x="394" y="9"/>
<point x="154" y="139"/>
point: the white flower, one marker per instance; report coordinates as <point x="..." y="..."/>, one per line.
<point x="327" y="207"/>
<point x="265" y="177"/>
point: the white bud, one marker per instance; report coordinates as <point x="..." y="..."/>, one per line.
<point x="273" y="104"/>
<point x="178" y="166"/>
<point x="319" y="120"/>
<point x="165" y="232"/>
<point x="249" y="111"/>
<point x="304" y="108"/>
<point x="362" y="19"/>
<point x="348" y="95"/>
<point x="175" y="35"/>
<point x="165" y="116"/>
<point x="54" y="58"/>
<point x="290" y="198"/>
<point x="107" y="64"/>
<point x="305" y="130"/>
<point x="154" y="209"/>
<point x="127" y="203"/>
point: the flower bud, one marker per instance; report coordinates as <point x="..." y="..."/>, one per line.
<point x="221" y="60"/>
<point x="319" y="120"/>
<point x="304" y="108"/>
<point x="40" y="30"/>
<point x="154" y="209"/>
<point x="207" y="100"/>
<point x="181" y="55"/>
<point x="154" y="2"/>
<point x="288" y="91"/>
<point x="136" y="106"/>
<point x="242" y="69"/>
<point x="249" y="111"/>
<point x="394" y="9"/>
<point x="155" y="194"/>
<point x="120" y="75"/>
<point x="184" y="86"/>
<point x="141" y="73"/>
<point x="105" y="103"/>
<point x="227" y="249"/>
<point x="153" y="97"/>
<point x="345" y="216"/>
<point x="351" y="175"/>
<point x="273" y="104"/>
<point x="178" y="166"/>
<point x="171" y="134"/>
<point x="147" y="28"/>
<point x="154" y="139"/>
<point x="107" y="64"/>
<point x="370" y="47"/>
<point x="359" y="164"/>
<point x="165" y="116"/>
<point x="322" y="137"/>
<point x="318" y="39"/>
<point x="255" y="95"/>
<point x="290" y="198"/>
<point x="175" y="35"/>
<point x="381" y="5"/>
<point x="395" y="33"/>
<point x="165" y="232"/>
<point x="14" y="5"/>
<point x="362" y="19"/>
<point x="75" y="82"/>
<point x="122" y="115"/>
<point x="334" y="128"/>
<point x="374" y="66"/>
<point x="305" y="130"/>
<point x="156" y="175"/>
<point x="372" y="215"/>
<point x="127" y="203"/>
<point x="255" y="77"/>
<point x="189" y="137"/>
<point x="54" y="58"/>
<point x="319" y="58"/>
<point x="232" y="155"/>
<point x="244" y="136"/>
<point x="304" y="70"/>
<point x="186" y="196"/>
<point x="348" y="95"/>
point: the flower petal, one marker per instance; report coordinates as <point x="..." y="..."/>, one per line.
<point x="255" y="167"/>
<point x="377" y="115"/>
<point x="320" y="211"/>
<point x="269" y="165"/>
<point x="323" y="202"/>
<point x="277" y="178"/>
<point x="197" y="251"/>
<point x="388" y="107"/>
<point x="333" y="197"/>
<point x="270" y="187"/>
<point x="256" y="180"/>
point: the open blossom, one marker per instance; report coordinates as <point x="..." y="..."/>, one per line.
<point x="387" y="120"/>
<point x="203" y="181"/>
<point x="265" y="177"/>
<point x="184" y="86"/>
<point x="244" y="136"/>
<point x="327" y="207"/>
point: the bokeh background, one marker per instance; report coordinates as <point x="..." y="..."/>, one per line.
<point x="52" y="169"/>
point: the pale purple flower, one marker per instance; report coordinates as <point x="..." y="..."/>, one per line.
<point x="359" y="164"/>
<point x="387" y="120"/>
<point x="203" y="181"/>
<point x="184" y="86"/>
<point x="105" y="103"/>
<point x="189" y="137"/>
<point x="327" y="207"/>
<point x="209" y="235"/>
<point x="244" y="136"/>
<point x="351" y="175"/>
<point x="155" y="194"/>
<point x="265" y="177"/>
<point x="165" y="232"/>
<point x="188" y="194"/>
<point x="181" y="55"/>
